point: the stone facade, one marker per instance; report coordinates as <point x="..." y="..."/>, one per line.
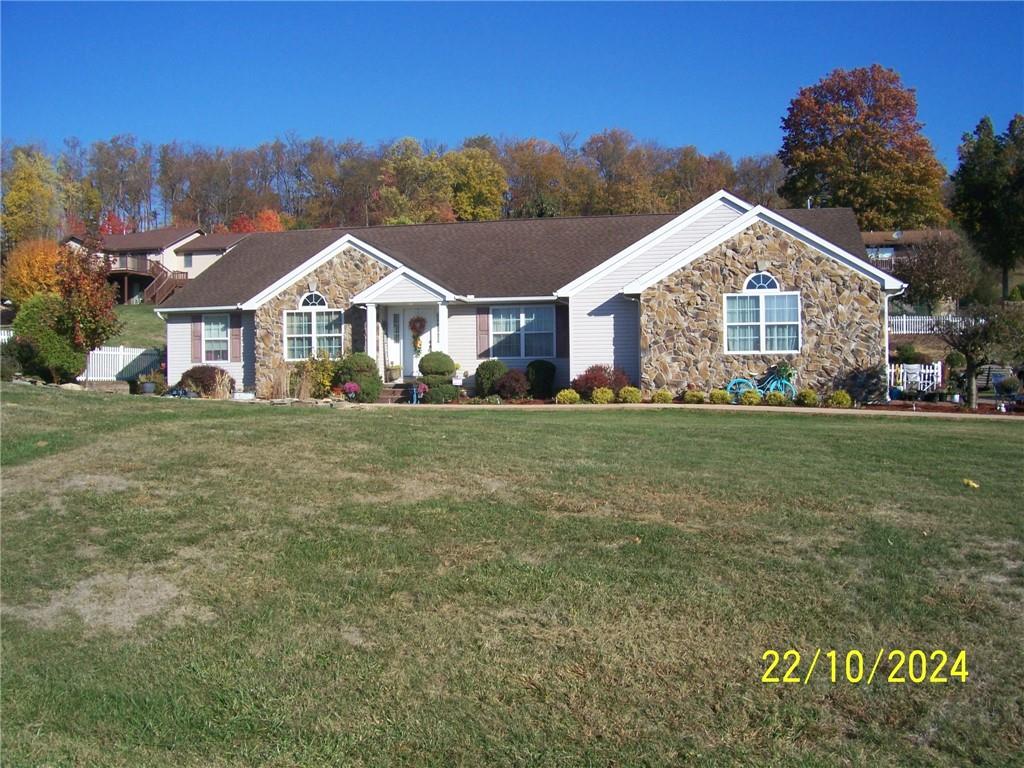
<point x="682" y="328"/>
<point x="339" y="279"/>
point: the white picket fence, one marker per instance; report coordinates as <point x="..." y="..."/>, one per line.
<point x="908" y="324"/>
<point x="923" y="378"/>
<point x="113" y="363"/>
<point x="120" y="363"/>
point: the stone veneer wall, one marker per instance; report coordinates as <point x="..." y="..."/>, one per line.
<point x="682" y="326"/>
<point x="339" y="279"/>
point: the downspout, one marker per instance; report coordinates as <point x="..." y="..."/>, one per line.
<point x="888" y="296"/>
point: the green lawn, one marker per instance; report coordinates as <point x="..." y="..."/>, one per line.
<point x="195" y="583"/>
<point x="142" y="328"/>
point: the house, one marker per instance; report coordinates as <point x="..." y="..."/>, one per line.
<point x="200" y="252"/>
<point x="722" y="290"/>
<point x="886" y="248"/>
<point x="145" y="266"/>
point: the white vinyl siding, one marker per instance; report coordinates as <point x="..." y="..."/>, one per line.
<point x="462" y="345"/>
<point x="605" y="324"/>
<point x="405" y="289"/>
<point x="179" y="351"/>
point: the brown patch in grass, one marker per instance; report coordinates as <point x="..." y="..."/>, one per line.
<point x="115" y="602"/>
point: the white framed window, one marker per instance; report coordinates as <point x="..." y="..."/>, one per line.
<point x="216" y="329"/>
<point x="527" y="331"/>
<point x="186" y="261"/>
<point x="763" y="318"/>
<point x="314" y="328"/>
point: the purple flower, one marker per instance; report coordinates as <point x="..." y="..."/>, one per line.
<point x="351" y="388"/>
<point x="422" y="388"/>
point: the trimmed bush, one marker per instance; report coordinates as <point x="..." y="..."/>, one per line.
<point x="567" y="397"/>
<point x="440" y="394"/>
<point x="694" y="397"/>
<point x="630" y="395"/>
<point x="350" y="365"/>
<point x="1008" y="386"/>
<point x="540" y="374"/>
<point x="662" y="396"/>
<point x="487" y="375"/>
<point x="808" y="398"/>
<point x="435" y="380"/>
<point x="839" y="399"/>
<point x="512" y="386"/>
<point x="490" y="400"/>
<point x="208" y="381"/>
<point x="602" y="396"/>
<point x="44" y="348"/>
<point x="776" y="398"/>
<point x="370" y="385"/>
<point x="750" y="397"/>
<point x="598" y="376"/>
<point x="437" y="364"/>
<point x="719" y="397"/>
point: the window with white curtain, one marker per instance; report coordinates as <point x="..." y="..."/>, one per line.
<point x="314" y="328"/>
<point x="215" y="338"/>
<point x="527" y="331"/>
<point x="762" y="318"/>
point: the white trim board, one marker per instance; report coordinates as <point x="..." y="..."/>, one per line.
<point x="642" y="283"/>
<point x="649" y="241"/>
<point x="371" y="293"/>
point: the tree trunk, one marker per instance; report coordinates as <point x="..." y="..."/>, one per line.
<point x="1006" y="282"/>
<point x="971" y="372"/>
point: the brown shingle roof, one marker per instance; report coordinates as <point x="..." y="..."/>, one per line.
<point x="907" y="237"/>
<point x="509" y="257"/>
<point x="219" y="241"/>
<point x="151" y="240"/>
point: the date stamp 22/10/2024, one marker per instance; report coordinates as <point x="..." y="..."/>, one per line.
<point x="901" y="667"/>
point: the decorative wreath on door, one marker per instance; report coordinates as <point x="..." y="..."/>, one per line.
<point x="417" y="325"/>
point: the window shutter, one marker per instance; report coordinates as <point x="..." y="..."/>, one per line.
<point x="235" y="338"/>
<point x="561" y="330"/>
<point x="483" y="332"/>
<point x="197" y="338"/>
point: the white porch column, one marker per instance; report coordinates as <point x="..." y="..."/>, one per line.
<point x="371" y="334"/>
<point x="442" y="326"/>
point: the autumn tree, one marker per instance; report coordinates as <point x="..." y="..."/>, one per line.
<point x="87" y="299"/>
<point x="266" y="220"/>
<point x="31" y="206"/>
<point x="758" y="180"/>
<point x="691" y="177"/>
<point x="416" y="186"/>
<point x="941" y="268"/>
<point x="536" y="172"/>
<point x="478" y="184"/>
<point x="988" y="194"/>
<point x="31" y="268"/>
<point x="853" y="139"/>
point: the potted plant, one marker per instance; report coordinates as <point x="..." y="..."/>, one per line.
<point x="392" y="372"/>
<point x="457" y="379"/>
<point x="351" y="389"/>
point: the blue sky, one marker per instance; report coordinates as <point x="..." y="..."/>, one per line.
<point x="719" y="76"/>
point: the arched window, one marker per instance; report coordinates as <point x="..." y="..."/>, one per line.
<point x="762" y="318"/>
<point x="313" y="329"/>
<point x="761" y="281"/>
<point x="313" y="299"/>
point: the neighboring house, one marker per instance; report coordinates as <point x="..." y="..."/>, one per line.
<point x="722" y="290"/>
<point x="885" y="249"/>
<point x="145" y="266"/>
<point x="199" y="253"/>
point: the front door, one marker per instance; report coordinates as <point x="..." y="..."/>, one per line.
<point x="419" y="326"/>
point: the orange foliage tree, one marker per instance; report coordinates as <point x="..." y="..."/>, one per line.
<point x="31" y="268"/>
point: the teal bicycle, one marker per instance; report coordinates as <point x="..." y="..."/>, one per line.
<point x="778" y="379"/>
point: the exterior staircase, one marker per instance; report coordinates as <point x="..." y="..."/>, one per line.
<point x="394" y="393"/>
<point x="165" y="282"/>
